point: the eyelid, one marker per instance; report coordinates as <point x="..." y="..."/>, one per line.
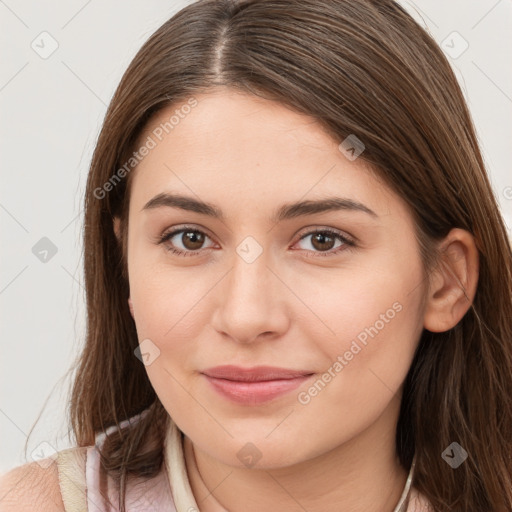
<point x="184" y="227"/>
<point x="321" y="229"/>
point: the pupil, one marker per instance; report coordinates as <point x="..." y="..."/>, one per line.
<point x="194" y="238"/>
<point x="323" y="239"/>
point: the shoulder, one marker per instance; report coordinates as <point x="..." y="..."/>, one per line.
<point x="32" y="486"/>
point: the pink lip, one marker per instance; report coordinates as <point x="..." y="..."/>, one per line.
<point x="256" y="385"/>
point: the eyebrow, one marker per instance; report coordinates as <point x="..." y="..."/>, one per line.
<point x="287" y="211"/>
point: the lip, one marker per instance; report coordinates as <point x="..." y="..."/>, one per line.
<point x="252" y="386"/>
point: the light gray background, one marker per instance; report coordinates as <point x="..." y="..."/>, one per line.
<point x="51" y="112"/>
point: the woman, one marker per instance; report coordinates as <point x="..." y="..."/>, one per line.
<point x="298" y="279"/>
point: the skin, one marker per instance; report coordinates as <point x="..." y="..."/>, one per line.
<point x="291" y="307"/>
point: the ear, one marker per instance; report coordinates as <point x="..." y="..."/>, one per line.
<point x="453" y="283"/>
<point x="130" y="305"/>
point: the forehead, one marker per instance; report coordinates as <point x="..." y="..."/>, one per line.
<point x="240" y="150"/>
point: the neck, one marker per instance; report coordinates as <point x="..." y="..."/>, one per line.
<point x="361" y="475"/>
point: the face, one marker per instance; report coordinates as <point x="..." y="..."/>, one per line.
<point x="334" y="293"/>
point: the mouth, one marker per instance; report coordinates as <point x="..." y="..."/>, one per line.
<point x="253" y="386"/>
<point x="254" y="374"/>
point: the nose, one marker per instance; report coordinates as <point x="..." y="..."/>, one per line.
<point x="251" y="302"/>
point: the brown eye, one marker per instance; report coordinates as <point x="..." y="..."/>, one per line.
<point x="324" y="241"/>
<point x="184" y="241"/>
<point x="192" y="240"/>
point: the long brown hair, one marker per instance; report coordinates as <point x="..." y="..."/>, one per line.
<point x="362" y="67"/>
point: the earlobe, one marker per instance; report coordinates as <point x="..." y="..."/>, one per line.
<point x="453" y="283"/>
<point x="130" y="305"/>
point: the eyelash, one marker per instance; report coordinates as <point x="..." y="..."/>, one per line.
<point x="347" y="242"/>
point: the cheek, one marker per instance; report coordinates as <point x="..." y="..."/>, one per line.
<point x="364" y="301"/>
<point x="167" y="298"/>
<point x="169" y="313"/>
<point x="365" y="369"/>
<point x="377" y="330"/>
<point x="171" y="310"/>
<point x="372" y="311"/>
